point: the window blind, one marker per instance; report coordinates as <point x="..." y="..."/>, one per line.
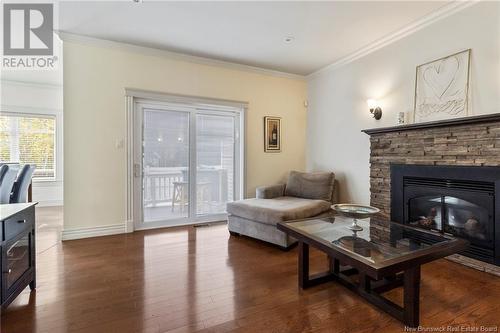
<point x="29" y="139"/>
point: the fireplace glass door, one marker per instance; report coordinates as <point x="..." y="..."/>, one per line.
<point x="466" y="214"/>
<point x="462" y="201"/>
<point x="425" y="212"/>
<point x="468" y="220"/>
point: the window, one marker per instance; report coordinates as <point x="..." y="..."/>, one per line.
<point x="29" y="139"/>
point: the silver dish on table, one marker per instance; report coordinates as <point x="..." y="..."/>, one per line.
<point x="355" y="212"/>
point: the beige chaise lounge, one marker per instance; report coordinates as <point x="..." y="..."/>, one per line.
<point x="304" y="195"/>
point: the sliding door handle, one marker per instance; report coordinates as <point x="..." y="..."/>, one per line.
<point x="137" y="170"/>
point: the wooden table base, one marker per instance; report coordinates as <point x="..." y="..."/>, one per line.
<point x="368" y="288"/>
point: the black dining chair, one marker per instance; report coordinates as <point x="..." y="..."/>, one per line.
<point x="8" y="175"/>
<point x="21" y="186"/>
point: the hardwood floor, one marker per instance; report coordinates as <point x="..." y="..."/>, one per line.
<point x="49" y="224"/>
<point x="201" y="279"/>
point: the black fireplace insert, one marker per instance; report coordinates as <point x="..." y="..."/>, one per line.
<point x="463" y="201"/>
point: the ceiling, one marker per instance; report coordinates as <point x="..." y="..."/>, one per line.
<point x="250" y="33"/>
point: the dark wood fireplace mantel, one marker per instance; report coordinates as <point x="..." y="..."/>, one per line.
<point x="432" y="124"/>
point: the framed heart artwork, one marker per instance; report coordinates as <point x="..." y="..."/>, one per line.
<point x="442" y="88"/>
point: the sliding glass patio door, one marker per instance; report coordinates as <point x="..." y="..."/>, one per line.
<point x="215" y="162"/>
<point x="189" y="162"/>
<point x="165" y="165"/>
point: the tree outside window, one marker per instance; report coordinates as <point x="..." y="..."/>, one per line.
<point x="29" y="139"/>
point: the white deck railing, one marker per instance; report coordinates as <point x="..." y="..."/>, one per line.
<point x="158" y="184"/>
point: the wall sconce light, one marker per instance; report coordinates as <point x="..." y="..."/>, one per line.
<point x="374" y="108"/>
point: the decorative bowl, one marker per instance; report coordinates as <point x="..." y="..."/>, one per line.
<point x="355" y="211"/>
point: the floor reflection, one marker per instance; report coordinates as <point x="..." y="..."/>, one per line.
<point x="186" y="279"/>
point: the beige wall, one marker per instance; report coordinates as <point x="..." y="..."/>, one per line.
<point x="337" y="98"/>
<point x="95" y="78"/>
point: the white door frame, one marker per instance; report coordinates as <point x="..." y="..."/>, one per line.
<point x="134" y="173"/>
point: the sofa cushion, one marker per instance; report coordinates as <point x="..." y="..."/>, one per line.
<point x="315" y="185"/>
<point x="270" y="192"/>
<point x="272" y="211"/>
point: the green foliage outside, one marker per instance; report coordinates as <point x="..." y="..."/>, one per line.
<point x="35" y="142"/>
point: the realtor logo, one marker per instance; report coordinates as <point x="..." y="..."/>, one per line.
<point x="28" y="29"/>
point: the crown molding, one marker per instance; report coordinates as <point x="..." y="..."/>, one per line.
<point x="443" y="12"/>
<point x="81" y="39"/>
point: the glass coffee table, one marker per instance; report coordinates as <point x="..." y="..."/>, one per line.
<point x="381" y="257"/>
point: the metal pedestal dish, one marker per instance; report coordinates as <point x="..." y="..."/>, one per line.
<point x="355" y="212"/>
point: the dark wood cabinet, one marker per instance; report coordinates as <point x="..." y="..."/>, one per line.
<point x="17" y="250"/>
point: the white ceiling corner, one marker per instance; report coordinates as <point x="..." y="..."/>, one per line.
<point x="245" y="35"/>
<point x="251" y="33"/>
<point x="415" y="26"/>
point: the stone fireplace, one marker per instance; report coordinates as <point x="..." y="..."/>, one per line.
<point x="442" y="176"/>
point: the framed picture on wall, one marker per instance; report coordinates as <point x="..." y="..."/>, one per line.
<point x="272" y="134"/>
<point x="442" y="88"/>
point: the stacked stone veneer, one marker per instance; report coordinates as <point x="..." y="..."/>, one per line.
<point x="471" y="144"/>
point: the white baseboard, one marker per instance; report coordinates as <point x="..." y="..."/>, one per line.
<point x="105" y="230"/>
<point x="129" y="226"/>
